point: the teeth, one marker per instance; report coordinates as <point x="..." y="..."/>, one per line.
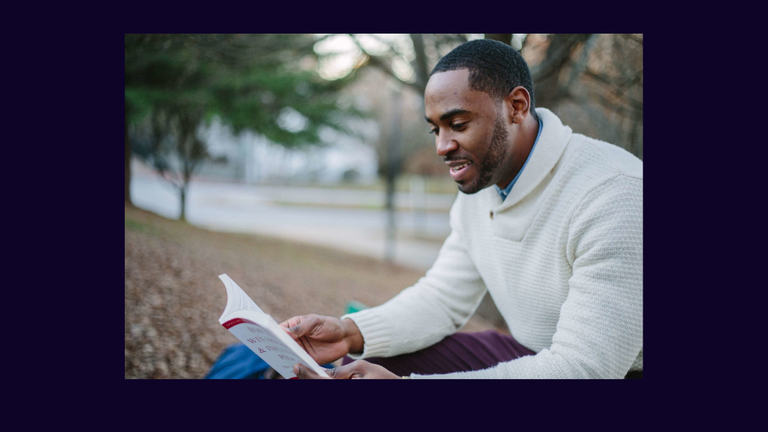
<point x="455" y="169"/>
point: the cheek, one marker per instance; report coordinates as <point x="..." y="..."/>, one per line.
<point x="480" y="143"/>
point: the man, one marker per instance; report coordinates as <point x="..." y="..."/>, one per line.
<point x="549" y="222"/>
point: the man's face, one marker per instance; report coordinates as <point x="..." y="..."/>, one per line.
<point x="471" y="133"/>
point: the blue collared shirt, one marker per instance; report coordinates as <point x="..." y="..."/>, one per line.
<point x="508" y="189"/>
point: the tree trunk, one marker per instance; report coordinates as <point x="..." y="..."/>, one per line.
<point x="393" y="169"/>
<point x="183" y="196"/>
<point x="420" y="63"/>
<point x="127" y="167"/>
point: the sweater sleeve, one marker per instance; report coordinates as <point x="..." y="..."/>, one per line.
<point x="600" y="330"/>
<point x="440" y="303"/>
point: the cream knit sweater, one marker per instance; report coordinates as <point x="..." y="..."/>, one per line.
<point x="562" y="258"/>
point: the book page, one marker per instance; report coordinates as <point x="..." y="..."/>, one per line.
<point x="268" y="340"/>
<point x="237" y="299"/>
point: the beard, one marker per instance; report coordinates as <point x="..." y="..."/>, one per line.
<point x="490" y="162"/>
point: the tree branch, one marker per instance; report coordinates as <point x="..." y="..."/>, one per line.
<point x="628" y="111"/>
<point x="380" y="63"/>
<point x="158" y="162"/>
<point x="420" y="63"/>
<point x="618" y="90"/>
<point x="554" y="61"/>
<point x="390" y="48"/>
<point x="582" y="63"/>
<point x="632" y="37"/>
<point x="168" y="179"/>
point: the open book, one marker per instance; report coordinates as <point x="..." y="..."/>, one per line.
<point x="262" y="334"/>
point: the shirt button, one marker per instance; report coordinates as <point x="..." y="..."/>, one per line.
<point x="491" y="214"/>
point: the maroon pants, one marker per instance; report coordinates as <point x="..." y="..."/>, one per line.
<point x="459" y="352"/>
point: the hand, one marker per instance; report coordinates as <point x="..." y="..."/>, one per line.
<point x="359" y="369"/>
<point x="325" y="338"/>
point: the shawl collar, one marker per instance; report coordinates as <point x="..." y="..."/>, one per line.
<point x="547" y="153"/>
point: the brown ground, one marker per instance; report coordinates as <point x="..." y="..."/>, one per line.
<point x="173" y="297"/>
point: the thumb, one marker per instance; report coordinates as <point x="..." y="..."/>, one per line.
<point x="305" y="327"/>
<point x="342" y="372"/>
<point x="289" y="331"/>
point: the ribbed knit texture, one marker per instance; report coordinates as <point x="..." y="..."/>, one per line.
<point x="562" y="258"/>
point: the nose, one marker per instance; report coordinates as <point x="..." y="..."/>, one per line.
<point x="445" y="144"/>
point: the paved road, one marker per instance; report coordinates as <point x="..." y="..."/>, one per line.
<point x="253" y="209"/>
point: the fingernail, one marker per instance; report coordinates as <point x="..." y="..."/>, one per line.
<point x="296" y="369"/>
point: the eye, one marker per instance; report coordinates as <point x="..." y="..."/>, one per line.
<point x="433" y="131"/>
<point x="457" y="126"/>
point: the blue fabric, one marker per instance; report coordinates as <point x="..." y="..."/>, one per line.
<point x="237" y="361"/>
<point x="508" y="189"/>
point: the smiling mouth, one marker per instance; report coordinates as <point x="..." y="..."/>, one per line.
<point x="459" y="172"/>
<point x="456" y="169"/>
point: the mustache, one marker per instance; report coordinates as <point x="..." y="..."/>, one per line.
<point x="455" y="158"/>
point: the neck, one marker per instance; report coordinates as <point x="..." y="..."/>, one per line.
<point x="525" y="138"/>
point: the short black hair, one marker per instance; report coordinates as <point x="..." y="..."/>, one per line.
<point x="494" y="67"/>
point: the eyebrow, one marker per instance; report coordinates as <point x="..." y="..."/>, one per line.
<point x="449" y="114"/>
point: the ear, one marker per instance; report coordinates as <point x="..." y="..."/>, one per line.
<point x="518" y="104"/>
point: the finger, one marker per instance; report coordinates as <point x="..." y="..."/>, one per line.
<point x="288" y="331"/>
<point x="346" y="371"/>
<point x="306" y="326"/>
<point x="291" y="322"/>
<point x="303" y="372"/>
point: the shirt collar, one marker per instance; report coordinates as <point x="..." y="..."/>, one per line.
<point x="504" y="192"/>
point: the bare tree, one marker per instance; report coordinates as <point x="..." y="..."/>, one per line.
<point x="594" y="83"/>
<point x="170" y="142"/>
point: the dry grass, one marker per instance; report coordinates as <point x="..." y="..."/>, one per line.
<point x="173" y="297"/>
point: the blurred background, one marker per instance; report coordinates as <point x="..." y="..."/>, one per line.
<point x="301" y="165"/>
